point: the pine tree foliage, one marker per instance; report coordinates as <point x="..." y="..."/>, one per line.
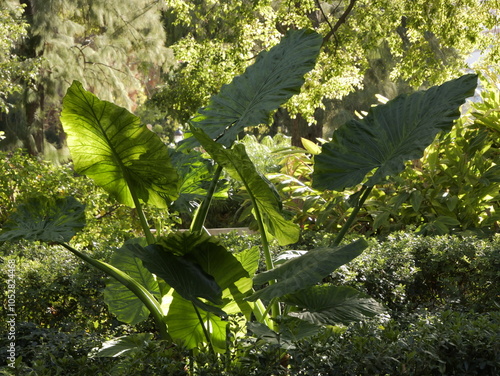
<point x="115" y="48"/>
<point x="13" y="68"/>
<point x="108" y="45"/>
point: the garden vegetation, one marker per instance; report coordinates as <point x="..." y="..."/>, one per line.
<point x="373" y="252"/>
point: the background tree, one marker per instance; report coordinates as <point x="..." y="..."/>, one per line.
<point x="384" y="47"/>
<point x="13" y="68"/>
<point x="115" y="48"/>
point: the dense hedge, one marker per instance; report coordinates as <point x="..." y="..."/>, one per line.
<point x="447" y="343"/>
<point x="408" y="272"/>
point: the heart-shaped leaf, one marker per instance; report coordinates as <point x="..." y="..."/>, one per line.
<point x="389" y="135"/>
<point x="109" y="145"/>
<point x="231" y="272"/>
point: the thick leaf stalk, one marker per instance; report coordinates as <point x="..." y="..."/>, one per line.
<point x="140" y="291"/>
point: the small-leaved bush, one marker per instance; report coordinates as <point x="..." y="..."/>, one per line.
<point x="407" y="272"/>
<point x="446" y="343"/>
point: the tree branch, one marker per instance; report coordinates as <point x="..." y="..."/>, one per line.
<point x="340" y="21"/>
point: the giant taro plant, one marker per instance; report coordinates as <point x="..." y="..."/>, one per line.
<point x="188" y="281"/>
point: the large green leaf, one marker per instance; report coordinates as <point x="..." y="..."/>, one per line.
<point x="183" y="274"/>
<point x="231" y="272"/>
<point x="332" y="305"/>
<point x="274" y="78"/>
<point x="121" y="301"/>
<point x="240" y="167"/>
<point x="109" y="145"/>
<point x="45" y="219"/>
<point x="306" y="270"/>
<point x="389" y="135"/>
<point x="185" y="327"/>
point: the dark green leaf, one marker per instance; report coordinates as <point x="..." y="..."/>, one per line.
<point x="183" y="274"/>
<point x="45" y="219"/>
<point x="332" y="305"/>
<point x="109" y="145"/>
<point x="274" y="78"/>
<point x="389" y="135"/>
<point x="306" y="270"/>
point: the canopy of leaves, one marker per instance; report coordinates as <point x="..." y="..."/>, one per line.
<point x="216" y="41"/>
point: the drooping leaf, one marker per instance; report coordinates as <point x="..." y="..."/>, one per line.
<point x="109" y="145"/>
<point x="389" y="135"/>
<point x="306" y="270"/>
<point x="184" y="242"/>
<point x="274" y="78"/>
<point x="121" y="301"/>
<point x="183" y="274"/>
<point x="124" y="345"/>
<point x="231" y="275"/>
<point x="332" y="305"/>
<point x="45" y="219"/>
<point x="240" y="167"/>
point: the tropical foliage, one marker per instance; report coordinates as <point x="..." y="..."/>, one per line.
<point x="192" y="296"/>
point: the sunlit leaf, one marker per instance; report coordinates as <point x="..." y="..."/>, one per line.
<point x="274" y="78"/>
<point x="109" y="145"/>
<point x="124" y="345"/>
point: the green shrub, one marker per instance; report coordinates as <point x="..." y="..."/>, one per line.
<point x="406" y="272"/>
<point x="449" y="343"/>
<point x="50" y="352"/>
<point x="55" y="290"/>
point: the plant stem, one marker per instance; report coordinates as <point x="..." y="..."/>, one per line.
<point x="275" y="307"/>
<point x="201" y="213"/>
<point x="142" y="218"/>
<point x="352" y="217"/>
<point x="205" y="331"/>
<point x="139" y="290"/>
